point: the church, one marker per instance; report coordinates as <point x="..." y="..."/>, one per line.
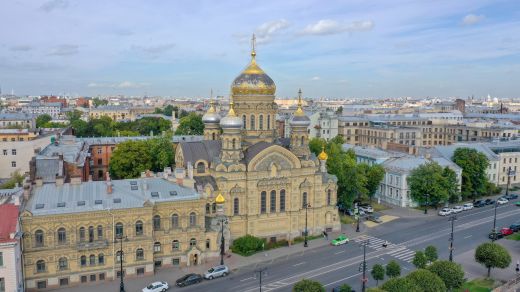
<point x="273" y="187"/>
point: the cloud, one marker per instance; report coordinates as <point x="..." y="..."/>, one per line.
<point x="154" y="51"/>
<point x="121" y="85"/>
<point x="472" y="19"/>
<point x="20" y="48"/>
<point x="54" y="4"/>
<point x="328" y="26"/>
<point x="266" y="31"/>
<point x="64" y="50"/>
<point x="315" y="78"/>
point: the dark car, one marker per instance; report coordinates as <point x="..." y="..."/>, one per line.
<point x="515" y="227"/>
<point x="495" y="235"/>
<point x="511" y="197"/>
<point x="479" y="204"/>
<point x="188" y="280"/>
<point x="489" y="201"/>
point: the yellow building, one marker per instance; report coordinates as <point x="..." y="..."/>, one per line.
<point x="69" y="230"/>
<point x="268" y="182"/>
<point x="12" y="135"/>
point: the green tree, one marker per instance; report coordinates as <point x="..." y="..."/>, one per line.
<point x="190" y="125"/>
<point x="378" y="273"/>
<point x="427" y="281"/>
<point x="431" y="253"/>
<point x="450" y="273"/>
<point x="419" y="260"/>
<point x="315" y="145"/>
<point x="474" y="165"/>
<point x="393" y="269"/>
<point x="375" y="289"/>
<point x="492" y="255"/>
<point x="129" y="159"/>
<point x="74" y="115"/>
<point x="308" y="286"/>
<point x="375" y="175"/>
<point x="400" y="285"/>
<point x="162" y="152"/>
<point x="345" y="288"/>
<point x="452" y="185"/>
<point x="15" y="179"/>
<point x="168" y="110"/>
<point x="97" y="102"/>
<point x="42" y="120"/>
<point x="80" y="128"/>
<point x="428" y="179"/>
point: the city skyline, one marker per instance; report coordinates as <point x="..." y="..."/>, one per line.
<point x="342" y="49"/>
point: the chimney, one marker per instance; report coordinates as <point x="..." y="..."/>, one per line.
<point x="59" y="180"/>
<point x="39" y="181"/>
<point x="145" y="185"/>
<point x="75" y="180"/>
<point x="109" y="183"/>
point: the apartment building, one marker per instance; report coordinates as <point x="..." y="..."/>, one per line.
<point x="11" y="279"/>
<point x="17" y="120"/>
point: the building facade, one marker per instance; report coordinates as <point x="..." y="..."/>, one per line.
<point x="11" y="278"/>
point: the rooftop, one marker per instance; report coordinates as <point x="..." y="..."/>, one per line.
<point x="8" y="223"/>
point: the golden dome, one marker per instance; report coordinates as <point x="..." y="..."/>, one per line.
<point x="253" y="80"/>
<point x="220" y="199"/>
<point x="323" y="155"/>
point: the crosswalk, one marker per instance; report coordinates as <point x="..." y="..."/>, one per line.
<point x="398" y="251"/>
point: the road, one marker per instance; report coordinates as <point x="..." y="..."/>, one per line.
<point x="333" y="266"/>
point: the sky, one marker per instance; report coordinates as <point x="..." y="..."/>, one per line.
<point x="333" y="49"/>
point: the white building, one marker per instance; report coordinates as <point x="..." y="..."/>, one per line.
<point x="19" y="120"/>
<point x="52" y="109"/>
<point x="11" y="279"/>
<point x="324" y="124"/>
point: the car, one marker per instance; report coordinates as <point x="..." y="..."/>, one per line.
<point x="506" y="231"/>
<point x="479" y="204"/>
<point x="457" y="209"/>
<point x="515" y="226"/>
<point x="467" y="206"/>
<point x="495" y="235"/>
<point x="189" y="279"/>
<point x="215" y="272"/>
<point x="445" y="212"/>
<point x="517" y="204"/>
<point x="489" y="201"/>
<point x="342" y="239"/>
<point x="156" y="287"/>
<point x="374" y="218"/>
<point x="502" y="201"/>
<point x="366" y="208"/>
<point x="511" y="197"/>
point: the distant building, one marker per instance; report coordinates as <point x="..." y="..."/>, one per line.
<point x="52" y="109"/>
<point x="11" y="278"/>
<point x="13" y="135"/>
<point x="17" y="120"/>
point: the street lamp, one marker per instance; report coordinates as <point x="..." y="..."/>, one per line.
<point x="306" y="206"/>
<point x="357" y="209"/>
<point x="493" y="238"/>
<point x="222" y="242"/>
<point x="260" y="272"/>
<point x="363" y="265"/>
<point x="426" y="203"/>
<point x="452" y="219"/>
<point x="121" y="239"/>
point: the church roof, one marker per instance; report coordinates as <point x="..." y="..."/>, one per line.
<point x="205" y="150"/>
<point x="202" y="181"/>
<point x="254" y="149"/>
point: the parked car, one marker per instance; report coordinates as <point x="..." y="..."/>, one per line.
<point x="479" y="203"/>
<point x="467" y="206"/>
<point x="489" y="201"/>
<point x="515" y="226"/>
<point x="445" y="212"/>
<point x="511" y="197"/>
<point x="156" y="287"/>
<point x="495" y="235"/>
<point x="457" y="209"/>
<point x="215" y="272"/>
<point x="517" y="204"/>
<point x="342" y="239"/>
<point x="374" y="218"/>
<point x="366" y="208"/>
<point x="502" y="201"/>
<point x="506" y="231"/>
<point x="189" y="279"/>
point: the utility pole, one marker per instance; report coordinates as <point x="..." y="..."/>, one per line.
<point x="494" y="237"/>
<point x="426" y="203"/>
<point x="307" y="205"/>
<point x="509" y="174"/>
<point x="357" y="211"/>
<point x="260" y="272"/>
<point x="222" y="242"/>
<point x="363" y="266"/>
<point x="121" y="276"/>
<point x="452" y="219"/>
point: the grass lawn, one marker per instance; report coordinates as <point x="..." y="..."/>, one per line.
<point x="379" y="207"/>
<point x="346" y="219"/>
<point x="515" y="236"/>
<point x="478" y="285"/>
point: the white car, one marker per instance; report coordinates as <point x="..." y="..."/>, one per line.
<point x="366" y="208"/>
<point x="216" y="272"/>
<point x="445" y="212"/>
<point x="457" y="209"/>
<point x="156" y="287"/>
<point x="467" y="206"/>
<point x="502" y="201"/>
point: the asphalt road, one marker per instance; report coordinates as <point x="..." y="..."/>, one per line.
<point x="333" y="266"/>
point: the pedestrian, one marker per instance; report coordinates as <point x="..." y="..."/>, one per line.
<point x="326" y="235"/>
<point x="517" y="266"/>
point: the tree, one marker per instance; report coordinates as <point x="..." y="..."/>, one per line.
<point x="419" y="260"/>
<point x="375" y="175"/>
<point x="168" y="110"/>
<point x="428" y="185"/>
<point x="345" y="288"/>
<point x="308" y="286"/>
<point x="315" y="145"/>
<point x="452" y="184"/>
<point x="190" y="125"/>
<point x="393" y="269"/>
<point x="162" y="152"/>
<point x="378" y="273"/>
<point x="80" y="128"/>
<point x="400" y="285"/>
<point x="474" y="165"/>
<point x="97" y="102"/>
<point x="450" y="273"/>
<point x="74" y="115"/>
<point x="375" y="289"/>
<point x="42" y="120"/>
<point x="431" y="253"/>
<point x="427" y="281"/>
<point x="492" y="255"/>
<point x="15" y="179"/>
<point x="129" y="159"/>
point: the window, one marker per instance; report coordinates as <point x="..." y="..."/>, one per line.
<point x="175" y="221"/>
<point x="93" y="278"/>
<point x="83" y="261"/>
<point x="100" y="232"/>
<point x="208" y="208"/>
<point x="1" y="259"/>
<point x="214" y="207"/>
<point x="100" y="161"/>
<point x="38" y="238"/>
<point x="13" y="163"/>
<point x="236" y="206"/>
<point x="176" y="261"/>
<point x="252" y="122"/>
<point x="62" y="264"/>
<point x="201" y="168"/>
<point x="156" y="222"/>
<point x="193" y="242"/>
<point x="102" y="277"/>
<point x="101" y="259"/>
<point x="304" y="200"/>
<point x="302" y="139"/>
<point x="63" y="282"/>
<point x="175" y="245"/>
<point x="193" y="219"/>
<point x="5" y="151"/>
<point x="268" y="122"/>
<point x="139" y="254"/>
<point x="99" y="150"/>
<point x="329" y="197"/>
<point x="157" y="247"/>
<point x="243" y="122"/>
<point x="100" y="174"/>
<point x="212" y="136"/>
<point x="92" y="260"/>
<point x="119" y="229"/>
<point x="273" y="201"/>
<point x="282" y="201"/>
<point x="119" y="257"/>
<point x="140" y="271"/>
<point x="261" y="122"/>
<point x="263" y="195"/>
<point x="139" y="227"/>
<point x="62" y="236"/>
<point x="13" y="151"/>
<point x="233" y="143"/>
<point x="90" y="233"/>
<point x="41" y="284"/>
<point x="208" y="243"/>
<point x="40" y="266"/>
<point x="83" y="279"/>
<point x="82" y="234"/>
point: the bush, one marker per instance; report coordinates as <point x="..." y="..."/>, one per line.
<point x="247" y="245"/>
<point x="450" y="273"/>
<point x="419" y="260"/>
<point x="431" y="253"/>
<point x="375" y="289"/>
<point x="427" y="281"/>
<point x="345" y="288"/>
<point x="277" y="244"/>
<point x="400" y="285"/>
<point x="393" y="269"/>
<point x="378" y="273"/>
<point x="308" y="286"/>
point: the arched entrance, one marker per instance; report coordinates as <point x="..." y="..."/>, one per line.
<point x="194" y="257"/>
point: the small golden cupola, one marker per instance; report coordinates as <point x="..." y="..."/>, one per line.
<point x="323" y="155"/>
<point x="299" y="117"/>
<point x="220" y="199"/>
<point x="253" y="80"/>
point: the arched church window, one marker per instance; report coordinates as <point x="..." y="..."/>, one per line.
<point x="252" y="122"/>
<point x="234" y="143"/>
<point x="212" y="136"/>
<point x="236" y="206"/>
<point x="261" y="122"/>
<point x="201" y="168"/>
<point x="304" y="200"/>
<point x="273" y="201"/>
<point x="282" y="200"/>
<point x="268" y="122"/>
<point x="329" y="197"/>
<point x="302" y="139"/>
<point x="263" y="198"/>
<point x="244" y="121"/>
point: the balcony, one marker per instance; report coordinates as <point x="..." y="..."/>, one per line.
<point x="91" y="245"/>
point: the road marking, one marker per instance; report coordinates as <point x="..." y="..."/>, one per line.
<point x="466" y="237"/>
<point x="406" y="268"/>
<point x="346" y="278"/>
<point x="339" y="252"/>
<point x="298" y="264"/>
<point x="250" y="278"/>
